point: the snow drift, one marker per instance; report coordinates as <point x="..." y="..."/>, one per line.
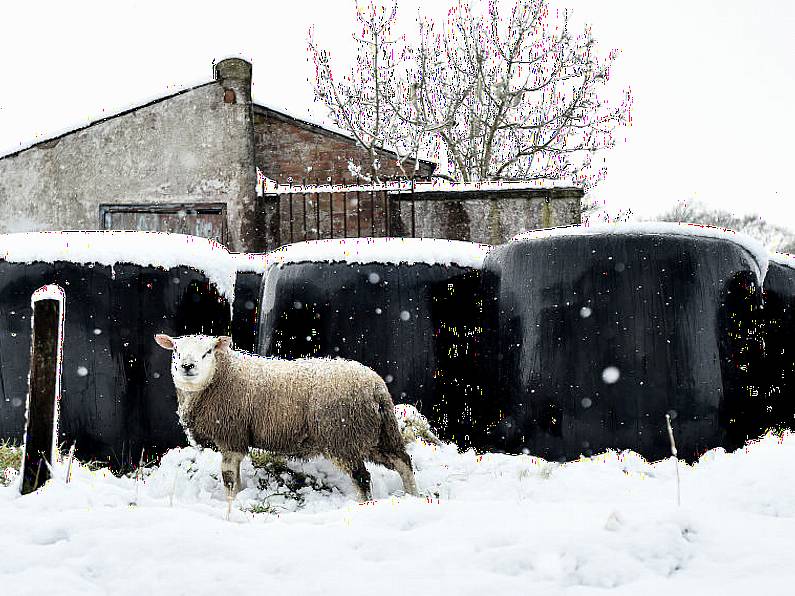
<point x="487" y="523"/>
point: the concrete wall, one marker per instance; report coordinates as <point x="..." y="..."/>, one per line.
<point x="491" y="217"/>
<point x="195" y="146"/>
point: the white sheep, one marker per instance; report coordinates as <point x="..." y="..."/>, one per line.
<point x="337" y="408"/>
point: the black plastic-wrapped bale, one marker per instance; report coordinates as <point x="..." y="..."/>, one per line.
<point x="246" y="306"/>
<point x="779" y="317"/>
<point x="594" y="334"/>
<point x="121" y="288"/>
<point x="408" y="308"/>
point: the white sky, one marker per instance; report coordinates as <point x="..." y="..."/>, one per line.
<point x="713" y="80"/>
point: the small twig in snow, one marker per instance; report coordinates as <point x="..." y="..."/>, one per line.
<point x="49" y="467"/>
<point x="69" y="464"/>
<point x="676" y="459"/>
<point x="138" y="475"/>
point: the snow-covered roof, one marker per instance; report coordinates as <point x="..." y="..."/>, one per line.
<point x="325" y="125"/>
<point x="64" y="132"/>
<point x="311" y="119"/>
<point x="148" y="249"/>
<point x="755" y="249"/>
<point x="430" y="251"/>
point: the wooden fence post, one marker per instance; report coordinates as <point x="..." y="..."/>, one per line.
<point x="44" y="386"/>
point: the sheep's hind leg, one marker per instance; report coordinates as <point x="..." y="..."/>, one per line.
<point x="402" y="465"/>
<point x="406" y="474"/>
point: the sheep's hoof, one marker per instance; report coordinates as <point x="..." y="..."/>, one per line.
<point x="229" y="499"/>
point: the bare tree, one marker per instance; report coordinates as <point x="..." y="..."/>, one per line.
<point x="357" y="102"/>
<point x="520" y="94"/>
<point x="772" y="236"/>
<point x="493" y="97"/>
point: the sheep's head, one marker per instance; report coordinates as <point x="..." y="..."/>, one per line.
<point x="193" y="358"/>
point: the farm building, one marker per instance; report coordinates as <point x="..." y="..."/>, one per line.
<point x="189" y="163"/>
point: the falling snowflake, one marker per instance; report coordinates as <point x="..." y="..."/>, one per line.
<point x="610" y="375"/>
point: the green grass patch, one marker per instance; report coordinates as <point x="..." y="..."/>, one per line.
<point x="273" y="469"/>
<point x="263" y="507"/>
<point x="10" y="457"/>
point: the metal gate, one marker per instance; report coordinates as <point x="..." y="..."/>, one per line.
<point x="337" y="211"/>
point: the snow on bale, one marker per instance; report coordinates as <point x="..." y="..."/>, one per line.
<point x="594" y="334"/>
<point x="245" y="309"/>
<point x="408" y="308"/>
<point x="121" y="288"/>
<point x="779" y="317"/>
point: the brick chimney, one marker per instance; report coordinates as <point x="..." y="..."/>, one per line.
<point x="234" y="75"/>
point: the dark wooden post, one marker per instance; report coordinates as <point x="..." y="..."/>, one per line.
<point x="345" y="214"/>
<point x="413" y="216"/>
<point x="303" y="196"/>
<point x="43" y="386"/>
<point x="269" y="227"/>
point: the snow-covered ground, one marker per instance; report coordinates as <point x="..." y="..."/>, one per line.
<point x="492" y="524"/>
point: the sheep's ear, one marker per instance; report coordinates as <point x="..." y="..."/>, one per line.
<point x="164" y="341"/>
<point x="223" y="342"/>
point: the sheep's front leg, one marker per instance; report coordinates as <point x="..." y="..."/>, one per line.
<point x="361" y="480"/>
<point x="230" y="472"/>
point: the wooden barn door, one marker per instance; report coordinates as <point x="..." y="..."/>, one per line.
<point x="207" y="220"/>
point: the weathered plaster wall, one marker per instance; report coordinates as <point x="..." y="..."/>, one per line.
<point x="491" y="217"/>
<point x="191" y="147"/>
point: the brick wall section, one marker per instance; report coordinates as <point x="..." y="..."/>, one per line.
<point x="289" y="148"/>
